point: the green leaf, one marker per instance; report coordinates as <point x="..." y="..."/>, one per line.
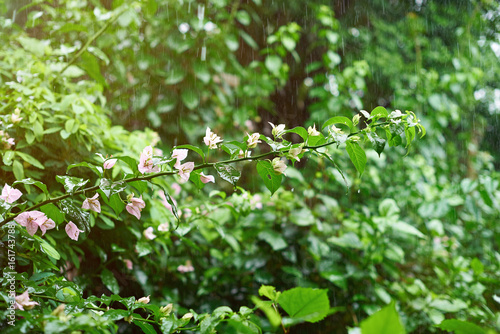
<point x="47" y="248"/>
<point x="18" y="170"/>
<point x="248" y="39"/>
<point x="306" y="304"/>
<point x="76" y="214"/>
<point x="274" y="239"/>
<point x="175" y="76"/>
<point x="116" y="203"/>
<point x="377" y="142"/>
<point x="243" y="17"/>
<point x="141" y="186"/>
<point x="379" y="112"/>
<point x="7" y="158"/>
<point x="110" y="281"/>
<point x="300" y="131"/>
<point x="273" y="64"/>
<point x="228" y="173"/>
<point x="145" y="327"/>
<point x="190" y="99"/>
<point x="266" y="307"/>
<point x="193" y="148"/>
<point x="131" y="162"/>
<point x="115" y="315"/>
<point x="169" y="199"/>
<point x="408" y="229"/>
<point x="269" y="176"/>
<point x="30" y="181"/>
<point x="460" y="327"/>
<point x="53" y="213"/>
<point x="96" y="169"/>
<point x="71" y="183"/>
<point x="195" y="178"/>
<point x="384" y="321"/>
<point x="357" y="156"/>
<point x="111" y="188"/>
<point x="29" y="159"/>
<point x="90" y="64"/>
<point x="339" y="120"/>
<point x="268" y="291"/>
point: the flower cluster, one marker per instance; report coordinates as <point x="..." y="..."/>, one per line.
<point x="146" y="163"/>
<point x="6" y="142"/>
<point x="33" y="220"/>
<point x="211" y="139"/>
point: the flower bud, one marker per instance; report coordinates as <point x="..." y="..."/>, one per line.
<point x="187" y="316"/>
<point x="166" y="310"/>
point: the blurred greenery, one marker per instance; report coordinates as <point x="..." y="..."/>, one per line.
<point x="414" y="240"/>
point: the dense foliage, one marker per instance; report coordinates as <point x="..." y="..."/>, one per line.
<point x="366" y="231"/>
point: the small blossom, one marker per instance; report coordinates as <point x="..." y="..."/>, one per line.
<point x="31" y="220"/>
<point x="206" y="178"/>
<point x="211" y="139"/>
<point x="312" y="131"/>
<point x="278" y="130"/>
<point x="128" y="264"/>
<point x="253" y="140"/>
<point x="143" y="300"/>
<point x="293" y="153"/>
<point x="166" y="310"/>
<point x="10" y="194"/>
<point x="15" y="117"/>
<point x="187" y="316"/>
<point x="92" y="203"/>
<point x="108" y="164"/>
<point x="336" y="130"/>
<point x="149" y="233"/>
<point x="48" y="224"/>
<point x="146" y="164"/>
<point x="185" y="170"/>
<point x="164" y="227"/>
<point x="179" y="154"/>
<point x="245" y="154"/>
<point x="188" y="267"/>
<point x="279" y="166"/>
<point x="135" y="206"/>
<point x="23" y="302"/>
<point x="72" y="231"/>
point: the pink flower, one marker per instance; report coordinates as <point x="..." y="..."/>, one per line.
<point x="129" y="264"/>
<point x="163" y="227"/>
<point x="146" y="164"/>
<point x="23" y="302"/>
<point x="185" y="170"/>
<point x="72" y="231"/>
<point x="206" y="178"/>
<point x="10" y="194"/>
<point x="211" y="139"/>
<point x="279" y="166"/>
<point x="179" y="154"/>
<point x="108" y="164"/>
<point x="92" y="204"/>
<point x="149" y="233"/>
<point x="164" y="201"/>
<point x="135" y="206"/>
<point x="32" y="220"/>
<point x="48" y="224"/>
<point x="253" y="140"/>
<point x="188" y="267"/>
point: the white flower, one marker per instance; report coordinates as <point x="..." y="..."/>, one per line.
<point x="312" y="131"/>
<point x="179" y="154"/>
<point x="396" y="114"/>
<point x="253" y="140"/>
<point x="9" y="194"/>
<point x="143" y="300"/>
<point x="211" y="139"/>
<point x="279" y="166"/>
<point x="294" y="152"/>
<point x="148" y="233"/>
<point x="278" y="130"/>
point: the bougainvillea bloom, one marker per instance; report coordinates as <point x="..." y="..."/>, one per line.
<point x="149" y="233"/>
<point x="211" y="139"/>
<point x="179" y="154"/>
<point x="72" y="231"/>
<point x="253" y="140"/>
<point x="31" y="220"/>
<point x="279" y="165"/>
<point x="278" y="130"/>
<point x="312" y="131"/>
<point x="146" y="164"/>
<point x="9" y="194"/>
<point x="143" y="300"/>
<point x="23" y="302"/>
<point x="92" y="204"/>
<point x="185" y="170"/>
<point x="206" y="178"/>
<point x="135" y="206"/>
<point x="48" y="224"/>
<point x="108" y="164"/>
